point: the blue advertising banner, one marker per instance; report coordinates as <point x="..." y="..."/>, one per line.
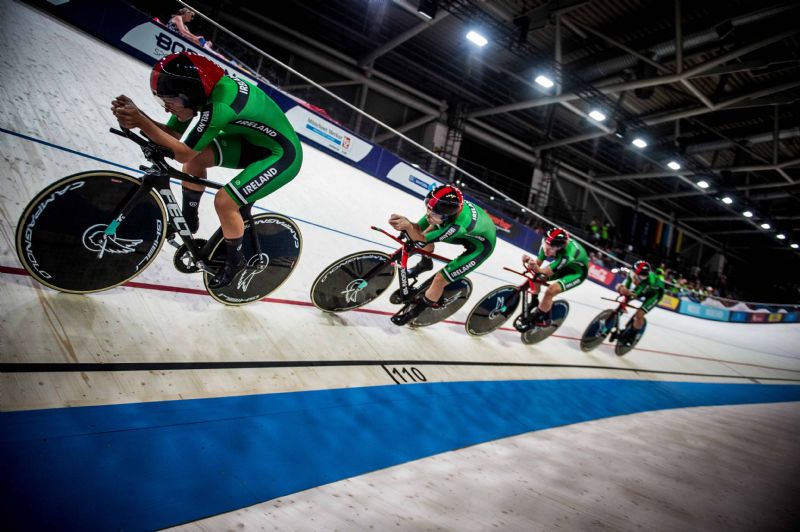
<point x="739" y="316"/>
<point x="703" y="311"/>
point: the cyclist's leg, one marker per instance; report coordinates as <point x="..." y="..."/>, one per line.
<point x="648" y="305"/>
<point x="565" y="280"/>
<point x="457" y="268"/>
<point x="265" y="170"/>
<point x="192" y="193"/>
<point x="476" y="254"/>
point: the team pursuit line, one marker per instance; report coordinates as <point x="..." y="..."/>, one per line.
<point x="66" y="367"/>
<point x="23" y="367"/>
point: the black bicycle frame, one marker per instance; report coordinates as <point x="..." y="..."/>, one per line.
<point x="409" y="247"/>
<point x="158" y="176"/>
<point x="621" y="309"/>
<point x="530" y="289"/>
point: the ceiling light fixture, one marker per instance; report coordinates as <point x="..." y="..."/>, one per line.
<point x="727" y="200"/>
<point x="674" y="165"/>
<point x="703" y="184"/>
<point x="596" y="115"/>
<point x="747" y="214"/>
<point x="639" y="143"/>
<point x="544" y="81"/>
<point x="477" y="38"/>
<point x="765" y="226"/>
<point x="427" y="8"/>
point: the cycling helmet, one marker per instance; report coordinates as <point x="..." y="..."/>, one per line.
<point x="556" y="238"/>
<point x="445" y="200"/>
<point x="641" y="268"/>
<point x="187" y="76"/>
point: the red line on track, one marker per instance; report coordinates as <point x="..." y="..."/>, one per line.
<point x="196" y="291"/>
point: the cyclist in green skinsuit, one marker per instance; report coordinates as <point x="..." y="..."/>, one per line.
<point x="569" y="267"/>
<point x="451" y="219"/>
<point x="218" y="121"/>
<point x="649" y="286"/>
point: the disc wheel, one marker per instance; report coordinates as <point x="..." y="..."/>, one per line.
<point x="352" y="281"/>
<point x="558" y="314"/>
<point x="621" y="349"/>
<point x="281" y="244"/>
<point x="61" y="238"/>
<point x="455" y="296"/>
<point x="596" y="331"/>
<point x="493" y="310"/>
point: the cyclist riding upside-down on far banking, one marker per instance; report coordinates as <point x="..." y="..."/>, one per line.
<point x="218" y="120"/>
<point x="569" y="267"/>
<point x="453" y="220"/>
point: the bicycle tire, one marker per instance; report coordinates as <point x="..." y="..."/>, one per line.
<point x="595" y="334"/>
<point x="455" y="296"/>
<point x="621" y="350"/>
<point x="340" y="287"/>
<point x="493" y="310"/>
<point x="59" y="236"/>
<point x="281" y="245"/>
<point x="559" y="313"/>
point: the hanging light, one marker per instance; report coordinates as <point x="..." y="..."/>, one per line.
<point x="597" y="115"/>
<point x="477" y="39"/>
<point x="544" y="81"/>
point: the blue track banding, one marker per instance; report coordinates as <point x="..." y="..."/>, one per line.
<point x="153" y="465"/>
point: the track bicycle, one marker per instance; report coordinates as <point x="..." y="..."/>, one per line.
<point x="500" y="304"/>
<point x="360" y="278"/>
<point x="606" y="324"/>
<point x="96" y="230"/>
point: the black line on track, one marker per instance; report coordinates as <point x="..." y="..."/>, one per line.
<point x="65" y="367"/>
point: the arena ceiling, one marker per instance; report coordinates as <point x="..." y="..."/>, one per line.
<point x="726" y="106"/>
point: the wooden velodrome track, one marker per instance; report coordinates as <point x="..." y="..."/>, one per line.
<point x="160" y="339"/>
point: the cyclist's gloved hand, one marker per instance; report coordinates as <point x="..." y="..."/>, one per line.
<point x="127" y="114"/>
<point x="398" y="222"/>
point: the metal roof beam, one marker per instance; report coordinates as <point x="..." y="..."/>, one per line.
<point x="630" y="85"/>
<point x="369" y="59"/>
<point x="421" y="121"/>
<point x="674" y="115"/>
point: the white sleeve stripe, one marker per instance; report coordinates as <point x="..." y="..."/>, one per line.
<point x="192" y="125"/>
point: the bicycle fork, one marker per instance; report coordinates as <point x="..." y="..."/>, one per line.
<point x="148" y="183"/>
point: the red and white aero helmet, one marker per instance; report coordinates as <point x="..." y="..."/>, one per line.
<point x="641" y="268"/>
<point x="556" y="238"/>
<point x="187" y="76"/>
<point x="445" y="200"/>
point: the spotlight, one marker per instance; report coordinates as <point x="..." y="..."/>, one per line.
<point x="427" y="8"/>
<point x="597" y="115"/>
<point x="674" y="165"/>
<point x="639" y="143"/>
<point x="765" y="226"/>
<point x="747" y="214"/>
<point x="793" y="246"/>
<point x="703" y="184"/>
<point x="781" y="236"/>
<point x="727" y="200"/>
<point x="544" y="81"/>
<point x="477" y="38"/>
